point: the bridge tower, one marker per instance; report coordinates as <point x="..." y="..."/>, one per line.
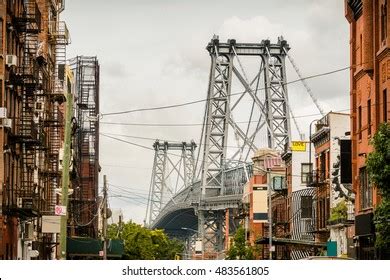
<point x="267" y="92"/>
<point x="173" y="170"/>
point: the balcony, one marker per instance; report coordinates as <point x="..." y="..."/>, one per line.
<point x="342" y="216"/>
<point x="29" y="19"/>
<point x="59" y="33"/>
<point x="316" y="178"/>
<point x="18" y="203"/>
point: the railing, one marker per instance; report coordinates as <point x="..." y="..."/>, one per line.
<point x="28" y="130"/>
<point x="316" y="178"/>
<point x="29" y="19"/>
<point x="347" y="219"/>
<point x="58" y="32"/>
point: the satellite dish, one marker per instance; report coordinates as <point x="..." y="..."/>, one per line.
<point x="109" y="213"/>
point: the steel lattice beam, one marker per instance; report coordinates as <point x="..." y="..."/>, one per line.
<point x="181" y="170"/>
<point x="274" y="115"/>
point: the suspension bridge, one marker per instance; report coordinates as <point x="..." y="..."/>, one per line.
<point x="196" y="189"/>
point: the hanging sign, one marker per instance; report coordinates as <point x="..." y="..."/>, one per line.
<point x="298" y="146"/>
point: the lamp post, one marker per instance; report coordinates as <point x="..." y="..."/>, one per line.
<point x="197" y="235"/>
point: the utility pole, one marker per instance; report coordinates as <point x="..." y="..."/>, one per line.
<point x="105" y="217"/>
<point x="65" y="173"/>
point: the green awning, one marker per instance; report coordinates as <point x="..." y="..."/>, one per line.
<point x="89" y="247"/>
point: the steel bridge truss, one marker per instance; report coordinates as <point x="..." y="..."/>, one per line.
<point x="173" y="171"/>
<point x="268" y="119"/>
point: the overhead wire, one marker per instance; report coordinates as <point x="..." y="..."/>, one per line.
<point x="232" y="94"/>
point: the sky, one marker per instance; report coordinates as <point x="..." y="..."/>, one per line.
<point x="152" y="53"/>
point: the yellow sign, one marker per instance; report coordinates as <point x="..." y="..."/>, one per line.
<point x="298" y="146"/>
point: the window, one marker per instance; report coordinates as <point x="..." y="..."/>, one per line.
<point x="1" y="35"/>
<point x="360" y="122"/>
<point x="365" y="189"/>
<point x="384" y="105"/>
<point x="369" y="116"/>
<point x="327" y="172"/>
<point x="305" y="171"/>
<point x="321" y="170"/>
<point x="1" y="93"/>
<point x="384" y="22"/>
<point x="322" y="214"/>
<point x="361" y="50"/>
<point x="306" y="206"/>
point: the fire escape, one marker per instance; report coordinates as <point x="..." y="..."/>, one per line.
<point x="27" y="197"/>
<point x="58" y="38"/>
<point x="86" y="146"/>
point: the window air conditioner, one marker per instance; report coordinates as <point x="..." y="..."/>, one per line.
<point x="60" y="159"/>
<point x="20" y="202"/>
<point x="28" y="231"/>
<point x="3" y="112"/>
<point x="39" y="106"/>
<point x="6" y="123"/>
<point x="11" y="60"/>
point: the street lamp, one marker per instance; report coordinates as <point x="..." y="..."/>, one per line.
<point x="189" y="247"/>
<point x="190" y="229"/>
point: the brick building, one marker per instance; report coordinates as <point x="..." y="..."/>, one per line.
<point x="331" y="179"/>
<point x="33" y="41"/>
<point x="84" y="204"/>
<point x="300" y="201"/>
<point x="258" y="225"/>
<point x="369" y="83"/>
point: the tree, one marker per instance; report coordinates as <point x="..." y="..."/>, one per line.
<point x="378" y="166"/>
<point x="378" y="162"/>
<point x="141" y="243"/>
<point x="239" y="249"/>
<point x="339" y="212"/>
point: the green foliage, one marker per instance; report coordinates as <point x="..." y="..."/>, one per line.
<point x="378" y="166"/>
<point x="339" y="212"/>
<point x="145" y="244"/>
<point x="378" y="162"/>
<point x="239" y="249"/>
<point x="382" y="224"/>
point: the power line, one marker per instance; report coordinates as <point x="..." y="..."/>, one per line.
<point x="125" y="166"/>
<point x="232" y="94"/>
<point x="151" y="139"/>
<point x="172" y="154"/>
<point x="201" y="124"/>
<point x="127" y="142"/>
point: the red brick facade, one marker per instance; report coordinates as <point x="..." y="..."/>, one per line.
<point x="369" y="86"/>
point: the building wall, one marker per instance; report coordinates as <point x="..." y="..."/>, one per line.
<point x="330" y="191"/>
<point x="9" y="162"/>
<point x="369" y="80"/>
<point x="299" y="157"/>
<point x="339" y="126"/>
<point x="26" y="192"/>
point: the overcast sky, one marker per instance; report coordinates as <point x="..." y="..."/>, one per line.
<point x="152" y="53"/>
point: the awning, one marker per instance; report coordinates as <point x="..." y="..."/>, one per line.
<point x="89" y="247"/>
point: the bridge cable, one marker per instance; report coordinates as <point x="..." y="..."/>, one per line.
<point x="308" y="89"/>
